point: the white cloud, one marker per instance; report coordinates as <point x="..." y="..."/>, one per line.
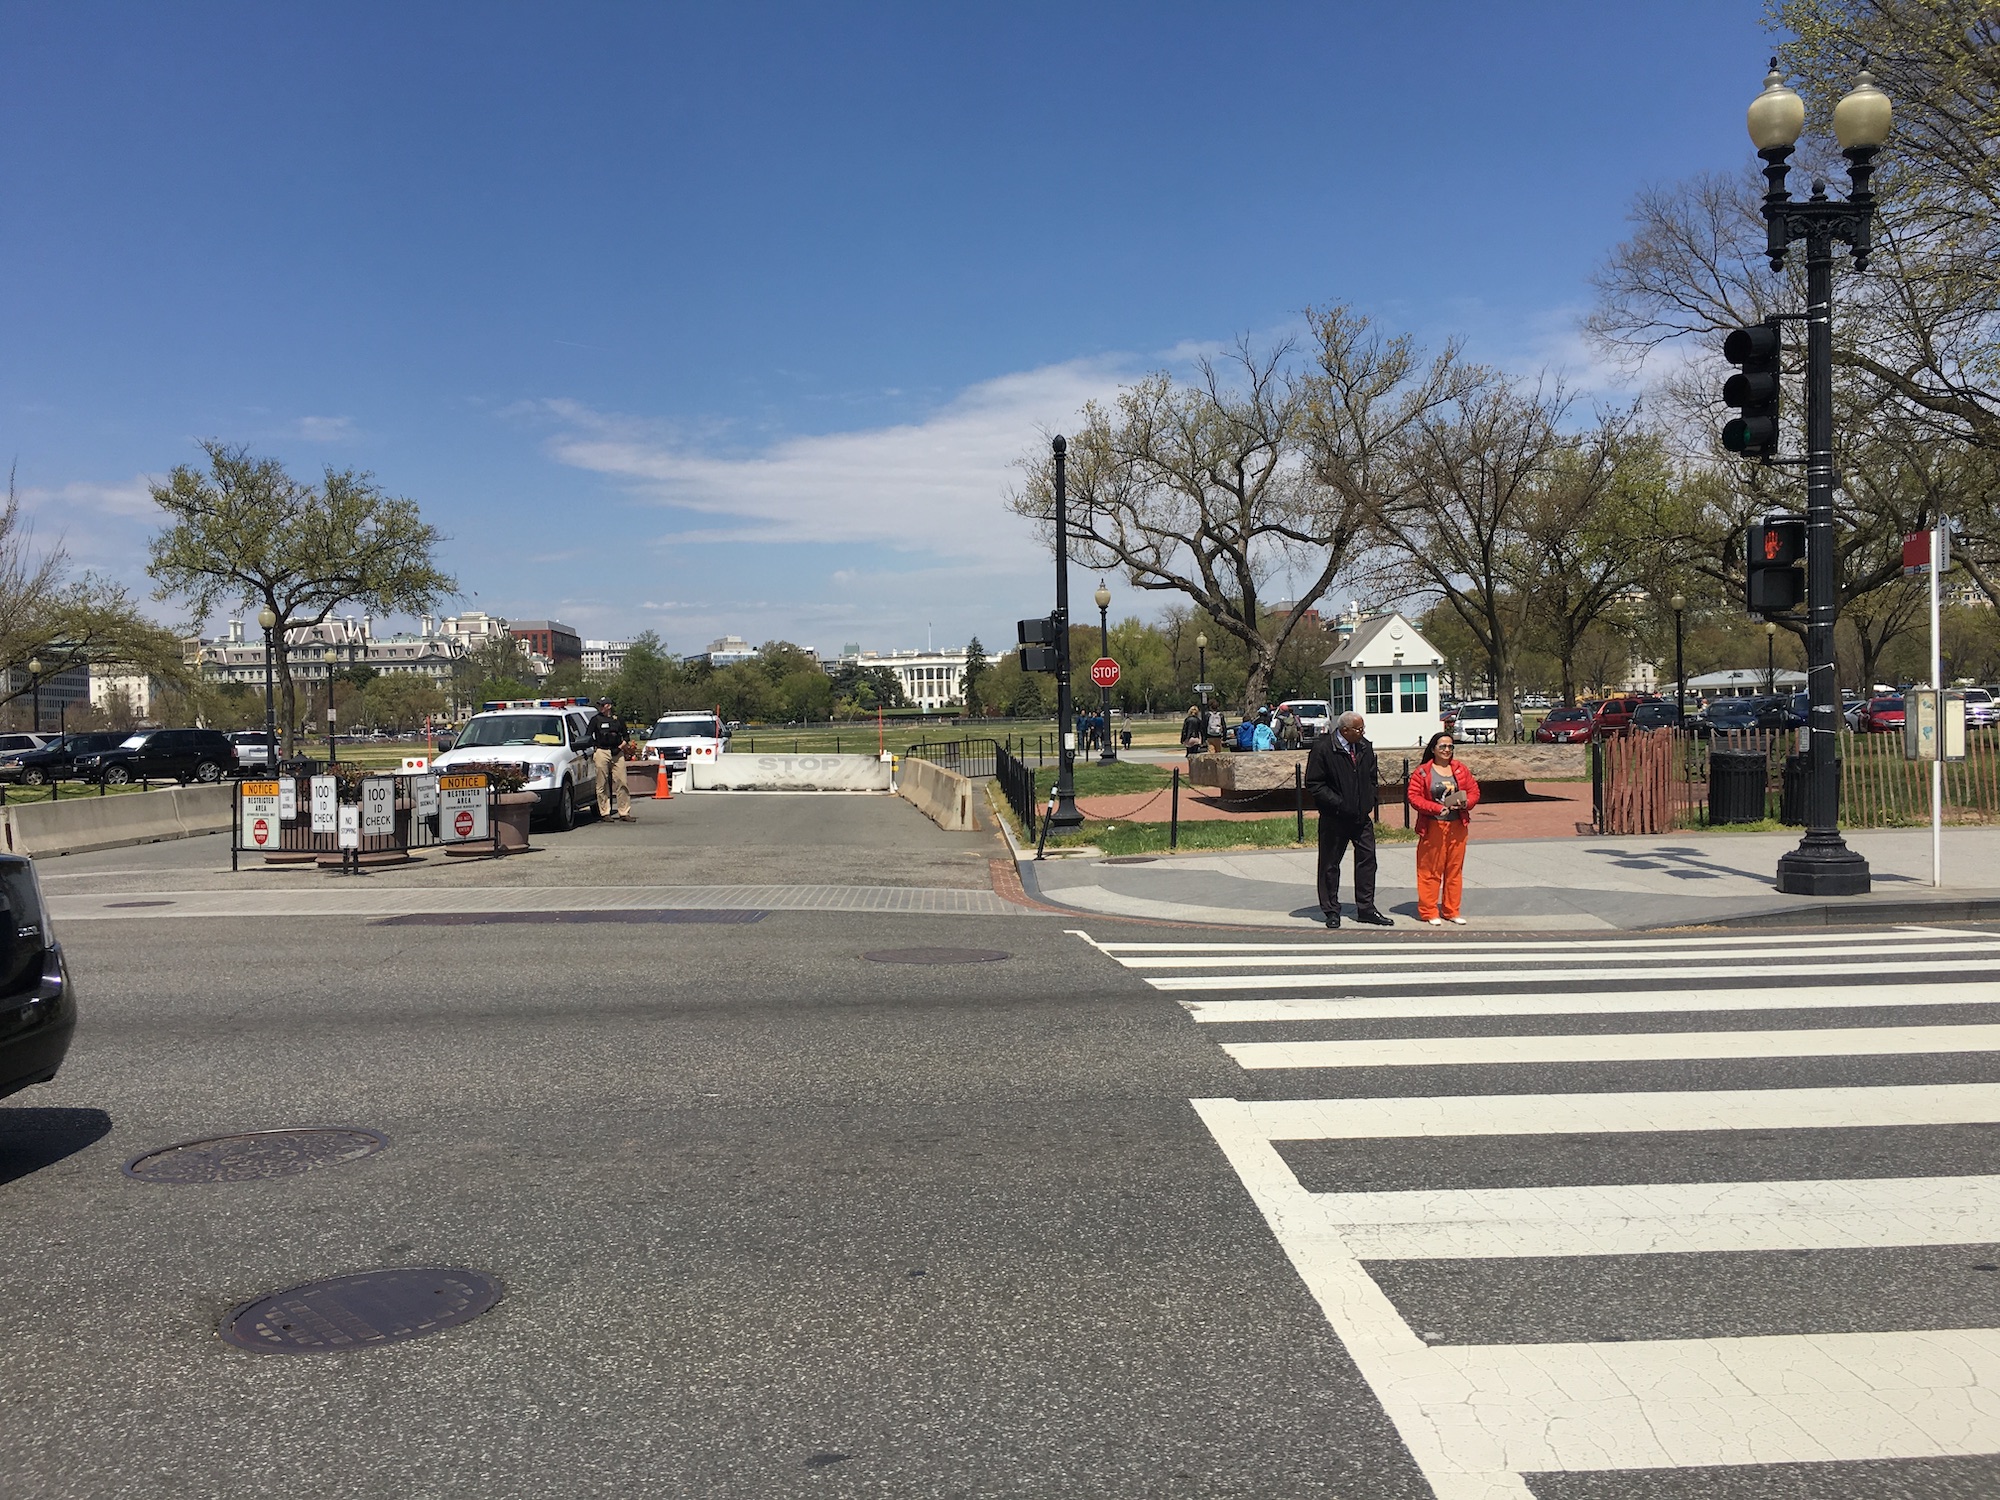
<point x="324" y="429"/>
<point x="935" y="486"/>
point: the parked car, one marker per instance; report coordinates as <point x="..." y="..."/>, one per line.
<point x="1881" y="716"/>
<point x="1312" y="714"/>
<point x="1563" y="726"/>
<point x="255" y="750"/>
<point x="1473" y="722"/>
<point x="1661" y="715"/>
<point x="548" y="738"/>
<point x="37" y="1006"/>
<point x="1851" y="710"/>
<point x="162" y="755"/>
<point x="1725" y="716"/>
<point x="1779" y="711"/>
<point x="1612" y="715"/>
<point x="13" y="744"/>
<point x="56" y="761"/>
<point x="1980" y="709"/>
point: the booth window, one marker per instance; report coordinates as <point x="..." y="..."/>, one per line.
<point x="1415" y="691"/>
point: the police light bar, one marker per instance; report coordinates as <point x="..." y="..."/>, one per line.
<point x="529" y="703"/>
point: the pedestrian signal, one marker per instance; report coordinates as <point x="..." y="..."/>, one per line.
<point x="1773" y="581"/>
<point x="1038" y="644"/>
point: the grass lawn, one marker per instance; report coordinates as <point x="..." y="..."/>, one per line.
<point x="1093" y="780"/>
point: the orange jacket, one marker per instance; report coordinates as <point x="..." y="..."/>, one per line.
<point x="1428" y="807"/>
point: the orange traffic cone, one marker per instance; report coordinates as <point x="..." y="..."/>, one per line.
<point x="662" y="789"/>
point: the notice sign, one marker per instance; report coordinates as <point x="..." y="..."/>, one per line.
<point x="461" y="809"/>
<point x="288" y="798"/>
<point x="325" y="799"/>
<point x="424" y="793"/>
<point x="378" y="806"/>
<point x="258" y="822"/>
<point x="350" y="827"/>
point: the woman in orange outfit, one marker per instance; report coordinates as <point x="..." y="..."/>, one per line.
<point x="1444" y="792"/>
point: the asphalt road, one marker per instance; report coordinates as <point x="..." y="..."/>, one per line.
<point x="774" y="1219"/>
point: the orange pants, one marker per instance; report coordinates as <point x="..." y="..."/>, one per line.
<point x="1440" y="868"/>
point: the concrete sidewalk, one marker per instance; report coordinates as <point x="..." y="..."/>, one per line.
<point x="1683" y="879"/>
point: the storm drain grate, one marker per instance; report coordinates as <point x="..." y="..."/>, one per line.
<point x="255" y="1155"/>
<point x="361" y="1311"/>
<point x="564" y="918"/>
<point x="128" y="905"/>
<point x="1133" y="859"/>
<point x="936" y="956"/>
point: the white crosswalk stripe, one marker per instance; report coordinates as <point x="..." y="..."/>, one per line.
<point x="1479" y="1416"/>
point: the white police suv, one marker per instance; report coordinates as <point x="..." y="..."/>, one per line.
<point x="548" y="738"/>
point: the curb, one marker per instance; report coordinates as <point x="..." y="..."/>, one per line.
<point x="1834" y="914"/>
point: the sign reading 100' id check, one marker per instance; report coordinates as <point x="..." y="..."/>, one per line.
<point x="461" y="808"/>
<point x="378" y="807"/>
<point x="258" y="807"/>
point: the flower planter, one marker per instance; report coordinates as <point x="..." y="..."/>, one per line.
<point x="508" y="814"/>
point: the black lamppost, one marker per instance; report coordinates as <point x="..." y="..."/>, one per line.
<point x="268" y="618"/>
<point x="1065" y="816"/>
<point x="1770" y="659"/>
<point x="1201" y="668"/>
<point x="35" y="688"/>
<point x="1822" y="865"/>
<point x="1103" y="597"/>
<point x="1679" y="603"/>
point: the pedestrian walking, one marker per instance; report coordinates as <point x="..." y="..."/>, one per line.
<point x="1342" y="782"/>
<point x="608" y="735"/>
<point x="1191" y="732"/>
<point x="1444" y="792"/>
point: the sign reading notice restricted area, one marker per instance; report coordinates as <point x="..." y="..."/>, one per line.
<point x="258" y="806"/>
<point x="461" y="809"/>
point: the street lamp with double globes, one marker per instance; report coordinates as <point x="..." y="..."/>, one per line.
<point x="35" y="689"/>
<point x="1822" y="865"/>
<point x="1679" y="603"/>
<point x="268" y="618"/>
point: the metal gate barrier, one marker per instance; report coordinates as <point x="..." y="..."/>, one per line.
<point x="306" y="819"/>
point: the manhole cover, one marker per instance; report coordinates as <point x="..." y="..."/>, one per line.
<point x="1134" y="859"/>
<point x="128" y="905"/>
<point x="936" y="956"/>
<point x="565" y="918"/>
<point x="362" y="1310"/>
<point x="258" y="1154"/>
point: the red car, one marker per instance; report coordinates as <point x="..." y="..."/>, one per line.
<point x="1614" y="714"/>
<point x="1881" y="716"/>
<point x="1563" y="726"/>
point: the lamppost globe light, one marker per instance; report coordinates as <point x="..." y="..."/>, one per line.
<point x="1770" y="627"/>
<point x="1678" y="603"/>
<point x="267" y="617"/>
<point x="1777" y="115"/>
<point x="1103" y="595"/>
<point x="1862" y="118"/>
<point x="34" y="666"/>
<point x="1201" y="642"/>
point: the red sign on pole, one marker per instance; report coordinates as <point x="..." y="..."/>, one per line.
<point x="260" y="833"/>
<point x="1104" y="672"/>
<point x="463" y="823"/>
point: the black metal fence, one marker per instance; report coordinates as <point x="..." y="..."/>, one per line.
<point x="1017" y="784"/>
<point x="974" y="758"/>
<point x="414" y="808"/>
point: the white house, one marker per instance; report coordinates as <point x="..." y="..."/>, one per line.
<point x="1390" y="673"/>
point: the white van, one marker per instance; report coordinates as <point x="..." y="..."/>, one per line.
<point x="1475" y="722"/>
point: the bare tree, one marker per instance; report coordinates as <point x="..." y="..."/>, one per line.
<point x="1200" y="489"/>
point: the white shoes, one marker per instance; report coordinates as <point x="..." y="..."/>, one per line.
<point x="1457" y="921"/>
<point x="1437" y="921"/>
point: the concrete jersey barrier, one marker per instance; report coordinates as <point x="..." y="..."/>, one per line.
<point x="791" y="773"/>
<point x="945" y="797"/>
<point x="78" y="825"/>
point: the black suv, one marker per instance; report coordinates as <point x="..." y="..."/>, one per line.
<point x="56" y="761"/>
<point x="162" y="755"/>
<point x="37" y="1010"/>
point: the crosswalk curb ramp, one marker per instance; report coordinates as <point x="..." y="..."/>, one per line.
<point x="1481" y="1418"/>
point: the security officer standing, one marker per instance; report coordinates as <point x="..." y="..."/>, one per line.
<point x="1341" y="780"/>
<point x="607" y="737"/>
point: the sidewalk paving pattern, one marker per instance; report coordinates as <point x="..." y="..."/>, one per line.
<point x="1537" y="1282"/>
<point x="1575" y="884"/>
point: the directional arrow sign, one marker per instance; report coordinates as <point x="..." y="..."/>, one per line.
<point x="1104" y="672"/>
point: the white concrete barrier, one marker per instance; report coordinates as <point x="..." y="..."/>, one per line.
<point x="791" y="773"/>
<point x="76" y="825"/>
<point x="945" y="797"/>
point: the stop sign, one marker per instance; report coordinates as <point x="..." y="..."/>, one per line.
<point x="1104" y="672"/>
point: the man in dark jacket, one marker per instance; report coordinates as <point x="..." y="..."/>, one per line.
<point x="1341" y="780"/>
<point x="608" y="734"/>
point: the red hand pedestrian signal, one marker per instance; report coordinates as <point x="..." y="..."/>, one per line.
<point x="1773" y="546"/>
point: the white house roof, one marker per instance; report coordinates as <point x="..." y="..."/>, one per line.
<point x="1384" y="641"/>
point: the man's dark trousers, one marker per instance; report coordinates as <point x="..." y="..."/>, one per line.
<point x="1336" y="836"/>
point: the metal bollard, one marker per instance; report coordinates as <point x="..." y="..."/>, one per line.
<point x="1406" y="791"/>
<point x="1299" y="798"/>
<point x="1174" y="822"/>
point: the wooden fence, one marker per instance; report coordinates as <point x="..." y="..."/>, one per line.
<point x="1655" y="781"/>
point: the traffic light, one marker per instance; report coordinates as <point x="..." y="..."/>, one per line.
<point x="1774" y="582"/>
<point x="1038" y="643"/>
<point x="1754" y="391"/>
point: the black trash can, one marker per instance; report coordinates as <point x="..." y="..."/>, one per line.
<point x="1798" y="773"/>
<point x="1735" y="786"/>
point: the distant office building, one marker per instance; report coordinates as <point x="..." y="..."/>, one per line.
<point x="315" y="652"/>
<point x="472" y="629"/>
<point x="605" y="657"/>
<point x="115" y="689"/>
<point x="726" y="651"/>
<point x="61" y="694"/>
<point x="549" y="643"/>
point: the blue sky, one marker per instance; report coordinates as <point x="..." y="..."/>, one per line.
<point x="731" y="318"/>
